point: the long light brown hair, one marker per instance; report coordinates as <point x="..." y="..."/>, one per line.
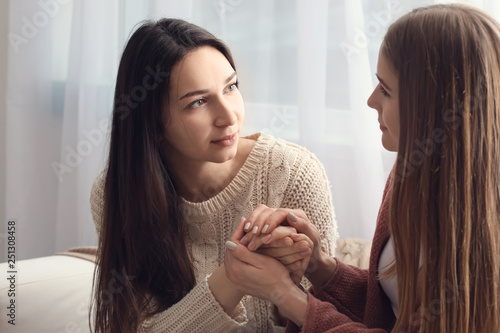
<point x="143" y="264"/>
<point x="445" y="206"/>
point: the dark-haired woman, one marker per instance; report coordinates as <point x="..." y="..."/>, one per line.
<point x="178" y="181"/>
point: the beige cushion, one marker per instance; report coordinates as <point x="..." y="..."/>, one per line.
<point x="51" y="295"/>
<point x="354" y="251"/>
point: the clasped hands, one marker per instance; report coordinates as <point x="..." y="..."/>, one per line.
<point x="269" y="252"/>
<point x="266" y="231"/>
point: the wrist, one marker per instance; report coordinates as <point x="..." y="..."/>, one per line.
<point x="224" y="291"/>
<point x="294" y="305"/>
<point x="325" y="266"/>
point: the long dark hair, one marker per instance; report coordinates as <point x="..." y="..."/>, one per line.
<point x="143" y="263"/>
<point x="445" y="209"/>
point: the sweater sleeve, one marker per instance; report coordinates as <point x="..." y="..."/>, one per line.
<point x="309" y="190"/>
<point x="198" y="311"/>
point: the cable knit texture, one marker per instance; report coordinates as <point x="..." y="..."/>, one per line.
<point x="353" y="300"/>
<point x="276" y="173"/>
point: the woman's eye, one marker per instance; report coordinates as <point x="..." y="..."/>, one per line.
<point x="197" y="104"/>
<point x="232" y="87"/>
<point x="384" y="92"/>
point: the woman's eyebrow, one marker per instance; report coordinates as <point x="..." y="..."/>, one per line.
<point x="204" y="91"/>
<point x="230" y="77"/>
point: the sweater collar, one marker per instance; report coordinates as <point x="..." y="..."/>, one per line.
<point x="241" y="181"/>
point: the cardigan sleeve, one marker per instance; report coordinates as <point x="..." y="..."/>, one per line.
<point x="198" y="311"/>
<point x="346" y="290"/>
<point x="338" y="305"/>
<point x="324" y="317"/>
<point x="309" y="190"/>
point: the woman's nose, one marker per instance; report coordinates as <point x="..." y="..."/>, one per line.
<point x="372" y="100"/>
<point x="226" y="113"/>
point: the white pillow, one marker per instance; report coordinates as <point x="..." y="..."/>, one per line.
<point x="51" y="295"/>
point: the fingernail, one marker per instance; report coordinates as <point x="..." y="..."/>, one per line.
<point x="230" y="245"/>
<point x="254" y="230"/>
<point x="251" y="246"/>
<point x="247" y="225"/>
<point x="244" y="240"/>
<point x="292" y="217"/>
<point x="265" y="228"/>
<point x="304" y="253"/>
<point x="266" y="238"/>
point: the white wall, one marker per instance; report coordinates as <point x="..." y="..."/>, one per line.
<point x="4" y="23"/>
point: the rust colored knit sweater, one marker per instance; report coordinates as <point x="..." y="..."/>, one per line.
<point x="353" y="300"/>
<point x="277" y="174"/>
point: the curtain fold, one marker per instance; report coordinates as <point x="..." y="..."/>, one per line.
<point x="306" y="69"/>
<point x="312" y="32"/>
<point x="33" y="130"/>
<point x="93" y="51"/>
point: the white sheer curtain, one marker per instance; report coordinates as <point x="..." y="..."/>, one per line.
<point x="306" y="69"/>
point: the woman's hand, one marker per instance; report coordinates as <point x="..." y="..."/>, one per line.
<point x="255" y="274"/>
<point x="265" y="278"/>
<point x="225" y="292"/>
<point x="321" y="266"/>
<point x="293" y="253"/>
<point x="263" y="220"/>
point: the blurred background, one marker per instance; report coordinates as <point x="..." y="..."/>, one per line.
<point x="306" y="69"/>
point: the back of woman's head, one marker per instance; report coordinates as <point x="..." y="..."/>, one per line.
<point x="142" y="235"/>
<point x="445" y="209"/>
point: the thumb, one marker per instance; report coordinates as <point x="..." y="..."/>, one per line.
<point x="304" y="226"/>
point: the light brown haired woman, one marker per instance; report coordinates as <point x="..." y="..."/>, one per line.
<point x="435" y="259"/>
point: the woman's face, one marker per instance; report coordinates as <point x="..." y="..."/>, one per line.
<point x="385" y="100"/>
<point x="205" y="108"/>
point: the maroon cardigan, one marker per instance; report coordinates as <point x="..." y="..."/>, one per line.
<point x="353" y="299"/>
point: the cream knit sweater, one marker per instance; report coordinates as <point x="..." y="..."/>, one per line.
<point x="277" y="174"/>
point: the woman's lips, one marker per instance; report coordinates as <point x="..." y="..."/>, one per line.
<point x="382" y="128"/>
<point x="227" y="140"/>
